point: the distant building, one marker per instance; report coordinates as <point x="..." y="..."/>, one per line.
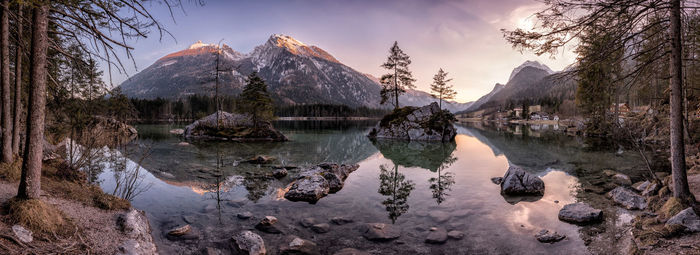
<point x="518" y="111"/>
<point x="534" y="108"/>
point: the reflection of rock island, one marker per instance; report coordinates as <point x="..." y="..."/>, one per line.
<point x="427" y="155"/>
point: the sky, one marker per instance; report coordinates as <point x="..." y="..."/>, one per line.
<point x="462" y="37"/>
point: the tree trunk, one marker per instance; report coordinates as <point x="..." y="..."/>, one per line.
<point x="30" y="183"/>
<point x="680" y="180"/>
<point x="18" y="84"/>
<point x="6" y="156"/>
<point x="396" y="87"/>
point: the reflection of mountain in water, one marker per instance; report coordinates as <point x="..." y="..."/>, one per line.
<point x="427" y="155"/>
<point x="538" y="151"/>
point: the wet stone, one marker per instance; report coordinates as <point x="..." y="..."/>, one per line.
<point x="351" y="251"/>
<point x="580" y="213"/>
<point x="269" y="225"/>
<point x="439" y="216"/>
<point x="381" y="232"/>
<point x="341" y="220"/>
<point x="188" y="219"/>
<point x="454" y="234"/>
<point x="296" y="245"/>
<point x="307" y="222"/>
<point x="497" y="180"/>
<point x="248" y="242"/>
<point x="244" y="215"/>
<point x="321" y="228"/>
<point x="545" y="236"/>
<point x="436" y="236"/>
<point x="627" y="198"/>
<point x="180" y="231"/>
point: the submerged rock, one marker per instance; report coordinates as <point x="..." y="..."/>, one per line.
<point x="518" y="182"/>
<point x="248" y="242"/>
<point x="341" y="220"/>
<point x="686" y="218"/>
<point x="307" y="222"/>
<point x="428" y="123"/>
<point x="580" y="213"/>
<point x="180" y="231"/>
<point x="627" y="198"/>
<point x="381" y="232"/>
<point x="317" y="182"/>
<point x="233" y="127"/>
<point x="436" y="236"/>
<point x="321" y="228"/>
<point x="454" y="234"/>
<point x="497" y="180"/>
<point x="244" y="215"/>
<point x="177" y="131"/>
<point x="260" y="159"/>
<point x="279" y="173"/>
<point x="544" y="236"/>
<point x="23" y="234"/>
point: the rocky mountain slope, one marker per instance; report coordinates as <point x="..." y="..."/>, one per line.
<point x="296" y="73"/>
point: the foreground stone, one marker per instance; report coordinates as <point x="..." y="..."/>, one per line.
<point x="321" y="228"/>
<point x="180" y="231"/>
<point x="248" y="242"/>
<point x="341" y="220"/>
<point x="627" y="198"/>
<point x="232" y="127"/>
<point x="686" y="218"/>
<point x="134" y="224"/>
<point x="317" y="182"/>
<point x="23" y="234"/>
<point x="268" y="225"/>
<point x="351" y="251"/>
<point x="580" y="213"/>
<point x="244" y="215"/>
<point x="454" y="234"/>
<point x="381" y="232"/>
<point x="518" y="182"/>
<point x="296" y="245"/>
<point x="427" y="123"/>
<point x="436" y="236"/>
<point x="544" y="236"/>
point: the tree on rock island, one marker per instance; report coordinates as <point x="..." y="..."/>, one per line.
<point x="399" y="77"/>
<point x="255" y="100"/>
<point x="440" y="89"/>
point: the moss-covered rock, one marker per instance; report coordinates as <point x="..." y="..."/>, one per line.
<point x="427" y="123"/>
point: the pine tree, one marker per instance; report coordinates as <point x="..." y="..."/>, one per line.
<point x="440" y="89"/>
<point x="255" y="100"/>
<point x="399" y="79"/>
<point x="5" y="83"/>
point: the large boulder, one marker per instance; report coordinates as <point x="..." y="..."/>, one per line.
<point x="518" y="182"/>
<point x="627" y="198"/>
<point x="317" y="182"/>
<point x="427" y="123"/>
<point x="580" y="213"/>
<point x="381" y="232"/>
<point x="233" y="127"/>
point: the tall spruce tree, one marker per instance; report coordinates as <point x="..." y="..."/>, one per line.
<point x="440" y="89"/>
<point x="399" y="79"/>
<point x="5" y="83"/>
<point x="255" y="100"/>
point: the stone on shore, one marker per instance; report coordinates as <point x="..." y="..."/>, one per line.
<point x="24" y="235"/>
<point x="627" y="198"/>
<point x="622" y="179"/>
<point x="580" y="213"/>
<point x="134" y="224"/>
<point x="518" y="182"/>
<point x="250" y="243"/>
<point x="688" y="219"/>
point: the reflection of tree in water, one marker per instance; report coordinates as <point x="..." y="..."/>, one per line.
<point x="397" y="189"/>
<point x="423" y="154"/>
<point x="441" y="184"/>
<point x="257" y="185"/>
<point x="128" y="178"/>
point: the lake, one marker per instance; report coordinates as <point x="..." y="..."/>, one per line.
<point x="413" y="185"/>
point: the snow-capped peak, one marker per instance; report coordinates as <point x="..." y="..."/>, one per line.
<point x="529" y="63"/>
<point x="199" y="44"/>
<point x="286" y="41"/>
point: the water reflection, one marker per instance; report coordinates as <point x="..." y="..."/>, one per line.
<point x="441" y="184"/>
<point x="422" y="154"/>
<point x="396" y="188"/>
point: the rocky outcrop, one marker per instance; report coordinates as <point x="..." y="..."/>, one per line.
<point x="317" y="182"/>
<point x="627" y="198"/>
<point x="134" y="224"/>
<point x="518" y="182"/>
<point x="427" y="123"/>
<point x="232" y="127"/>
<point x="687" y="218"/>
<point x="580" y="213"/>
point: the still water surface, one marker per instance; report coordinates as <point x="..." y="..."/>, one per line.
<point x="414" y="185"/>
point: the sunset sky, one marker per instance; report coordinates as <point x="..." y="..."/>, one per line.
<point x="462" y="37"/>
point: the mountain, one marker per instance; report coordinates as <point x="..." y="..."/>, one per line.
<point x="529" y="80"/>
<point x="296" y="73"/>
<point x="420" y="98"/>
